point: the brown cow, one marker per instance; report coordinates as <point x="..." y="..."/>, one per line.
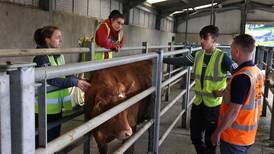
<point x="111" y="87"/>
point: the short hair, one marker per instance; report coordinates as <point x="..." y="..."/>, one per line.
<point x="246" y="42"/>
<point x="115" y="14"/>
<point x="209" y="30"/>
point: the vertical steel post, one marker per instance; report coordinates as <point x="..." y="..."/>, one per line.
<point x="42" y="114"/>
<point x="5" y="121"/>
<point x="272" y="122"/>
<point x="266" y="88"/>
<point x="169" y="69"/>
<point x="92" y="51"/>
<point x="153" y="144"/>
<point x="259" y="57"/>
<point x="144" y="44"/>
<point x="186" y="97"/>
<point x="22" y="97"/>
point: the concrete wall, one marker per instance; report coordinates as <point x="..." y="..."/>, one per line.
<point x="228" y="27"/>
<point x="258" y="15"/>
<point x="18" y="24"/>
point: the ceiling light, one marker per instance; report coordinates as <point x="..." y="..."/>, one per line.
<point x="154" y="1"/>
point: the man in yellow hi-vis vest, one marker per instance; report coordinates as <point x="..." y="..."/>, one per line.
<point x="210" y="68"/>
<point x="109" y="35"/>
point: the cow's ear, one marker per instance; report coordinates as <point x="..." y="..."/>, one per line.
<point x="130" y="88"/>
<point x="99" y="102"/>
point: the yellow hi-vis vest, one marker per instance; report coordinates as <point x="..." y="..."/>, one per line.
<point x="58" y="100"/>
<point x="100" y="55"/>
<point x="214" y="78"/>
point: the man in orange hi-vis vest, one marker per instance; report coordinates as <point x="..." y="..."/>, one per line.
<point x="241" y="107"/>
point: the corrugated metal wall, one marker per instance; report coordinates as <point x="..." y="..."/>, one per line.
<point x="101" y="8"/>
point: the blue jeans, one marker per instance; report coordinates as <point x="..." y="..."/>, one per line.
<point x="227" y="148"/>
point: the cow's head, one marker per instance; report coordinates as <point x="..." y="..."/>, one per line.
<point x="108" y="97"/>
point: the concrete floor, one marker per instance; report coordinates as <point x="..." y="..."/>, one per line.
<point x="178" y="142"/>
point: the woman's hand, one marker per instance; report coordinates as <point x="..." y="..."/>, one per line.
<point x="83" y="85"/>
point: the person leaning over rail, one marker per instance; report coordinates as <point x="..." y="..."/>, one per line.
<point x="241" y="107"/>
<point x="109" y="34"/>
<point x="57" y="101"/>
<point x="210" y="68"/>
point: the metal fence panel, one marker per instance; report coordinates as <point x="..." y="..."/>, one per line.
<point x="22" y="99"/>
<point x="5" y="123"/>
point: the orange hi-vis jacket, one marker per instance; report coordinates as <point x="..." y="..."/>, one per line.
<point x="244" y="128"/>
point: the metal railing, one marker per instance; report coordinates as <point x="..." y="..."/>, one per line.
<point x="24" y="75"/>
<point x="264" y="60"/>
<point x="21" y="80"/>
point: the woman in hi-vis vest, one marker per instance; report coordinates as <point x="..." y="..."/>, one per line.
<point x="60" y="100"/>
<point x="109" y="35"/>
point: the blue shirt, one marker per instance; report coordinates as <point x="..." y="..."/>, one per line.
<point x="69" y="81"/>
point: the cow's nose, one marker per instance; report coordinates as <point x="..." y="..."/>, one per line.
<point x="128" y="132"/>
<point x="125" y="134"/>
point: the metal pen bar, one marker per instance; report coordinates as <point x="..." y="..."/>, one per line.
<point x="22" y="109"/>
<point x="5" y="121"/>
<point x="176" y="52"/>
<point x="134" y="138"/>
<point x="68" y="69"/>
<point x="174" y="101"/>
<point x="192" y="84"/>
<point x="191" y="102"/>
<point x="42" y="115"/>
<point x="266" y="89"/>
<point x="157" y="80"/>
<point x="175" y="82"/>
<point x="169" y="69"/>
<point x="158" y="46"/>
<point x="223" y="46"/>
<point x="174" y="71"/>
<point x="268" y="105"/>
<point x="272" y="121"/>
<point x="195" y="49"/>
<point x="178" y="46"/>
<point x="175" y="77"/>
<point x="37" y="52"/>
<point x="71" y="136"/>
<point x="164" y="136"/>
<point x="122" y="49"/>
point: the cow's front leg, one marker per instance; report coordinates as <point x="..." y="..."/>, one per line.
<point x="103" y="148"/>
<point x="100" y="139"/>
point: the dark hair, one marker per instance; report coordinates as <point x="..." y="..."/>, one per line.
<point x="42" y="33"/>
<point x="246" y="42"/>
<point x="209" y="30"/>
<point x="115" y="14"/>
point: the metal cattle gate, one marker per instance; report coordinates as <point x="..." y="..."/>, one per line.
<point x="264" y="59"/>
<point x="19" y="130"/>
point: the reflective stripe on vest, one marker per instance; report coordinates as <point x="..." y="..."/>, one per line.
<point x="101" y="55"/>
<point x="60" y="99"/>
<point x="243" y="130"/>
<point x="214" y="78"/>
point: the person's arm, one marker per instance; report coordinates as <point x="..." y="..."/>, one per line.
<point x="240" y="86"/>
<point x="63" y="82"/>
<point x="226" y="122"/>
<point x="187" y="60"/>
<point x="227" y="64"/>
<point x="102" y="38"/>
<point x="43" y="61"/>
